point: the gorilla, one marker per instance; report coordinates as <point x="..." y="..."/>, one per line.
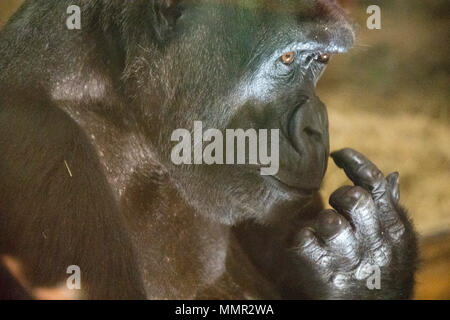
<point x="86" y="177"/>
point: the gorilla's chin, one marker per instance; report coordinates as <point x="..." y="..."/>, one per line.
<point x="237" y="193"/>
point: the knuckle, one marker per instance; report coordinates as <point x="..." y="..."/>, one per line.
<point x="330" y="223"/>
<point x="357" y="193"/>
<point x="339" y="193"/>
<point x="369" y="172"/>
<point x="343" y="241"/>
<point x="348" y="151"/>
<point x="305" y="237"/>
<point x="396" y="231"/>
<point x="329" y="217"/>
<point x="382" y="256"/>
<point x="309" y="249"/>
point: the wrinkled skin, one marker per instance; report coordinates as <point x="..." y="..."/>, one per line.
<point x="337" y="249"/>
<point x="86" y="177"/>
<point x="366" y="229"/>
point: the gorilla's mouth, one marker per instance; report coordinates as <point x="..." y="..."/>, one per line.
<point x="280" y="184"/>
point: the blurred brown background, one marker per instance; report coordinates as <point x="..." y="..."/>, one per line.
<point x="389" y="98"/>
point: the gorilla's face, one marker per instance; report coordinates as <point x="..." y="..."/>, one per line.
<point x="249" y="64"/>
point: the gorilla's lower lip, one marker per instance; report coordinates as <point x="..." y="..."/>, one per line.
<point x="296" y="189"/>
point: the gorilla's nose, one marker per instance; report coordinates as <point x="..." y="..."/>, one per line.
<point x="308" y="134"/>
<point x="309" y="126"/>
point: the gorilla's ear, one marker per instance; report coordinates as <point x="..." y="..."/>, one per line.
<point x="166" y="14"/>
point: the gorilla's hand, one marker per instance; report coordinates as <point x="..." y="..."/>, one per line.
<point x="368" y="236"/>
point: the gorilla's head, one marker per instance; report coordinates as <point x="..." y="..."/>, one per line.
<point x="239" y="64"/>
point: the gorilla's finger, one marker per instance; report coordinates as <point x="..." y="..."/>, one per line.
<point x="393" y="182"/>
<point x="361" y="171"/>
<point x="309" y="246"/>
<point x="341" y="202"/>
<point x="357" y="204"/>
<point x="330" y="224"/>
<point x="335" y="232"/>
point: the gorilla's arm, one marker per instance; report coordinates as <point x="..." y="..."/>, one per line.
<point x="337" y="251"/>
<point x="57" y="207"/>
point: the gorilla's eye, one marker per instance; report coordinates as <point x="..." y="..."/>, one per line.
<point x="323" y="57"/>
<point x="288" y="57"/>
